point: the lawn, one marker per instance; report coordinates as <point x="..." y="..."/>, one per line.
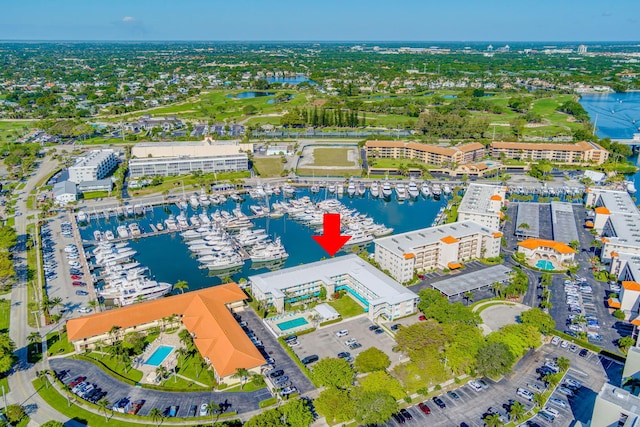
<point x="332" y="157"/>
<point x="5" y="312"/>
<point x="4" y="383"/>
<point x="188" y="369"/>
<point x="115" y="366"/>
<point x="57" y="346"/>
<point x="268" y="166"/>
<point x="347" y="307"/>
<point x="328" y="172"/>
<point x="189" y="181"/>
<point x="9" y="130"/>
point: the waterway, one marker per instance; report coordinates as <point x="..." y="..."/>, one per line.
<point x="617" y="115"/>
<point x="169" y="260"/>
<point x="290" y="80"/>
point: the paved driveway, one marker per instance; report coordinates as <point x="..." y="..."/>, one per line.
<point x="272" y="348"/>
<point x="234" y="401"/>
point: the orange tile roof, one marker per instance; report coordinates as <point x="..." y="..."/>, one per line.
<point x="613" y="303"/>
<point x="496" y="197"/>
<point x="449" y="240"/>
<point x="602" y="210"/>
<point x="470" y="147"/>
<point x="454" y="265"/>
<point x="604" y="240"/>
<point x="636" y="321"/>
<point x="408" y="256"/>
<point x="218" y="336"/>
<point x="560" y="247"/>
<point x="588" y="224"/>
<point x="614" y="254"/>
<point x="578" y="146"/>
<point x="631" y="286"/>
<point x="497" y="234"/>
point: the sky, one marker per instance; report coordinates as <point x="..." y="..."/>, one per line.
<point x="321" y="20"/>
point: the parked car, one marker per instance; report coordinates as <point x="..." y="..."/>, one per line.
<point x="276" y="374"/>
<point x="204" y="410"/>
<point x="82" y="293"/>
<point x="136" y="406"/>
<point x="310" y="359"/>
<point x="173" y="411"/>
<point x="343" y="354"/>
<point x="399" y="418"/>
<point x="342" y="333"/>
<point x="424" y="408"/>
<point x="355" y="346"/>
<point x="439" y="402"/>
<point x="474" y="386"/>
<point x="453" y="395"/>
<point x="406" y="414"/>
<point x="289" y="390"/>
<point x="422" y="317"/>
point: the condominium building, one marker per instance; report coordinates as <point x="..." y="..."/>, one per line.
<point x="179" y="158"/>
<point x="426" y="153"/>
<point x="483" y="203"/>
<point x="377" y="293"/>
<point x="579" y="152"/>
<point x="96" y="165"/>
<point x="444" y="246"/>
<point x="615" y="406"/>
<point x="617" y="220"/>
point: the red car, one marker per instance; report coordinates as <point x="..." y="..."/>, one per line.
<point x="77" y="381"/>
<point x="74" y="277"/>
<point x="79" y="284"/>
<point x="135" y="407"/>
<point x="424" y="408"/>
<point x="422" y="317"/>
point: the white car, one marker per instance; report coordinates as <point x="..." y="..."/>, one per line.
<point x="525" y="394"/>
<point x="204" y="410"/>
<point x="564" y="344"/>
<point x="558" y="402"/>
<point x="350" y="341"/>
<point x="573" y="382"/>
<point x="475" y="386"/>
<point x="342" y="333"/>
<point x="85" y="310"/>
<point x="555" y="340"/>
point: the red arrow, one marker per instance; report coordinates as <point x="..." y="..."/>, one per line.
<point x="331" y="241"/>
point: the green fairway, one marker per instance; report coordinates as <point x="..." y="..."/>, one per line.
<point x="10" y="130"/>
<point x="268" y="166"/>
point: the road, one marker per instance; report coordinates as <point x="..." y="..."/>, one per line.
<point x="22" y="391"/>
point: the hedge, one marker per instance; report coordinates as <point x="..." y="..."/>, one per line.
<point x="268" y="402"/>
<point x="331" y="322"/>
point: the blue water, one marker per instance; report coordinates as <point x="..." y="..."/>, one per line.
<point x="290" y="80"/>
<point x="159" y="355"/>
<point x="247" y="95"/>
<point x="544" y="264"/>
<point x="293" y="323"/>
<point x="169" y="260"/>
<point x="618" y="114"/>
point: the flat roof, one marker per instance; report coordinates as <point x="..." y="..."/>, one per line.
<point x="461" y="283"/>
<point x="563" y="222"/>
<point x="207" y="147"/>
<point x="616" y="201"/>
<point x="384" y="287"/>
<point x="621" y="398"/>
<point x="477" y="198"/>
<point x="404" y="243"/>
<point x="624" y="217"/>
<point x="528" y="213"/>
<point x="93" y="158"/>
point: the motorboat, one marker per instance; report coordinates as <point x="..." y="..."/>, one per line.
<point x="401" y="192"/>
<point x="374" y="189"/>
<point x="413" y="190"/>
<point x="386" y="189"/>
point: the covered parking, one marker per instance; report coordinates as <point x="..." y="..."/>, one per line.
<point x="473" y="281"/>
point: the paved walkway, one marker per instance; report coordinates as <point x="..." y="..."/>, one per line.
<point x="495" y="316"/>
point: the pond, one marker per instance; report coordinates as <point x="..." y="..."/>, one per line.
<point x="247" y="95"/>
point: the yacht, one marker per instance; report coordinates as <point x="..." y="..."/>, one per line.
<point x="108" y="235"/>
<point x="288" y="190"/>
<point x="182" y="220"/>
<point x="134" y="229"/>
<point x="401" y="193"/>
<point x="361" y="189"/>
<point x="137" y="290"/>
<point x="351" y="188"/>
<point x="269" y="252"/>
<point x="340" y="189"/>
<point x="268" y="189"/>
<point x="82" y="216"/>
<point x="204" y="200"/>
<point x="122" y="231"/>
<point x="386" y="189"/>
<point x="446" y="189"/>
<point x="358" y="237"/>
<point x="171" y="223"/>
<point x="413" y="190"/>
<point x="332" y="188"/>
<point x="315" y="188"/>
<point x="424" y="190"/>
<point x="436" y="191"/>
<point x="97" y="235"/>
<point x="193" y="201"/>
<point x="159" y="226"/>
<point x="224" y="263"/>
<point x="375" y="190"/>
<point x="631" y="187"/>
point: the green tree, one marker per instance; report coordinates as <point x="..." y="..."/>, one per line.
<point x="333" y="372"/>
<point x="374" y="407"/>
<point x="492" y="420"/>
<point x="296" y="413"/>
<point x="539" y="319"/>
<point x="181" y="285"/>
<point x="33" y="338"/>
<point x="52" y="423"/>
<point x="574" y="244"/>
<point x="517" y="410"/>
<point x="105" y="405"/>
<point x="380" y="381"/>
<point x="539" y="399"/>
<point x="563" y="363"/>
<point x="494" y="359"/>
<point x="335" y="404"/>
<point x="15" y="413"/>
<point x="372" y="359"/>
<point x="625" y="343"/>
<point x="243" y="374"/>
<point x="269" y="418"/>
<point x="156" y="416"/>
<point x="7" y="348"/>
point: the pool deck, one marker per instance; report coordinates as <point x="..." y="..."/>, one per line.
<point x="149" y="371"/>
<point x="274" y="321"/>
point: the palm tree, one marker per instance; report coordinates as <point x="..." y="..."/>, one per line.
<point x="93" y="304"/>
<point x="161" y="371"/>
<point x="538" y="399"/>
<point x="633" y="384"/>
<point x="33" y="338"/>
<point x="55" y="302"/>
<point x="104" y="405"/>
<point x="493" y="420"/>
<point x="241" y="373"/>
<point x="156" y="415"/>
<point x="42" y="376"/>
<point x="563" y="363"/>
<point x="181" y="285"/>
<point x="517" y="410"/>
<point x="496" y="288"/>
<point x="182" y="352"/>
<point x="114" y="332"/>
<point x="468" y="296"/>
<point x="214" y="409"/>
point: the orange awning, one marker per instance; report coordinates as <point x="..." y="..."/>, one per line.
<point x="613" y="302"/>
<point x="454" y="265"/>
<point x="589" y="224"/>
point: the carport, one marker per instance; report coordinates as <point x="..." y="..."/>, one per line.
<point x="529" y="214"/>
<point x="461" y="283"/>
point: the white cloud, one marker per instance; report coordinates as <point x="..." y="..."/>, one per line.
<point x="128" y="19"/>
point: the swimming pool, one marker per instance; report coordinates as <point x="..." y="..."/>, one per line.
<point x="159" y="355"/>
<point x="293" y="323"/>
<point x="543" y="264"/>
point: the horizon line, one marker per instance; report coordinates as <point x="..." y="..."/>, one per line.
<point x="305" y="41"/>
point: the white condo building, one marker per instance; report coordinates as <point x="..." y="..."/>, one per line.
<point x="375" y="291"/>
<point x="483" y="203"/>
<point x="444" y="246"/>
<point x="179" y="158"/>
<point x="96" y="165"/>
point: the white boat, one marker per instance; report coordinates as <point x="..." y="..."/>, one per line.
<point x="270" y="252"/>
<point x="436" y="191"/>
<point x="171" y="223"/>
<point x="340" y="189"/>
<point x="413" y="190"/>
<point x="631" y="187"/>
<point x="122" y="231"/>
<point x="224" y="263"/>
<point x="182" y="220"/>
<point x="357" y="237"/>
<point x="82" y="216"/>
<point x="351" y="188"/>
<point x="108" y="235"/>
<point x="268" y="189"/>
<point x="447" y="189"/>
<point x="401" y="192"/>
<point x="159" y="226"/>
<point x="134" y="229"/>
<point x="361" y="189"/>
<point x="375" y="189"/>
<point x="315" y="188"/>
<point x="97" y="235"/>
<point x="332" y="188"/>
<point x="204" y="200"/>
<point x="131" y="292"/>
<point x="386" y="190"/>
<point x="190" y="234"/>
<point x="424" y="189"/>
<point x="288" y="190"/>
<point x="193" y="201"/>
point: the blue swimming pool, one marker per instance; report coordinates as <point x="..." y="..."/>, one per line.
<point x="293" y="323"/>
<point x="544" y="264"/>
<point x="159" y="355"/>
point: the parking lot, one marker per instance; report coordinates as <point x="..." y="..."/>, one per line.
<point x="324" y="342"/>
<point x="470" y="406"/>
